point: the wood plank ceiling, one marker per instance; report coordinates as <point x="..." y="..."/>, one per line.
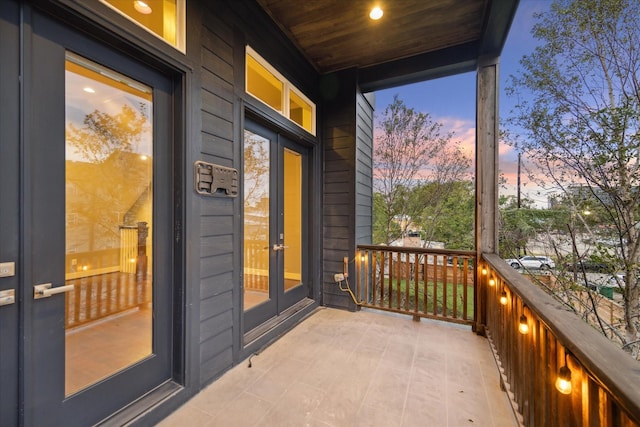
<point x="338" y="34"/>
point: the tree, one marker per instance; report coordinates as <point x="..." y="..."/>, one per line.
<point x="447" y="212"/>
<point x="104" y="133"/>
<point x="409" y="149"/>
<point x="582" y="121"/>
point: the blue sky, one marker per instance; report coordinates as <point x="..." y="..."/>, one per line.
<point x="451" y="100"/>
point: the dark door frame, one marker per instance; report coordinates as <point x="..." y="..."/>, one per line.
<point x="9" y="208"/>
<point x="279" y="300"/>
<point x="43" y="98"/>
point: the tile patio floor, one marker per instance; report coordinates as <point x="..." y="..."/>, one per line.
<point x="368" y="368"/>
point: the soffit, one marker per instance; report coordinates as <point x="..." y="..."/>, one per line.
<point x="338" y="34"/>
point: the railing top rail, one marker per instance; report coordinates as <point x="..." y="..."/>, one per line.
<point x="417" y="249"/>
<point x="610" y="366"/>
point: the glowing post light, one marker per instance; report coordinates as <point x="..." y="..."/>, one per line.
<point x="523" y="327"/>
<point x="503" y="298"/>
<point x="563" y="382"/>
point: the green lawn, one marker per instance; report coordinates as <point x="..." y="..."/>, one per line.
<point x="409" y="304"/>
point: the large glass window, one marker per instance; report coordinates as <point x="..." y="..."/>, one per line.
<point x="267" y="85"/>
<point x="109" y="228"/>
<point x="164" y="18"/>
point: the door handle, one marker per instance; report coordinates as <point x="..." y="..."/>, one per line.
<point x="7" y="297"/>
<point x="279" y="247"/>
<point x="46" y="290"/>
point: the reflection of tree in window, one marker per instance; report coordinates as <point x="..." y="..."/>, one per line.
<point x="256" y="186"/>
<point x="107" y="174"/>
<point x="103" y="134"/>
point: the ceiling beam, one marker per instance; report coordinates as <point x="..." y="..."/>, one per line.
<point x="432" y="65"/>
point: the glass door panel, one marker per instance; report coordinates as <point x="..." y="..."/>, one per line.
<point x="109" y="227"/>
<point x="274" y="224"/>
<point x="292" y="209"/>
<point x="257" y="158"/>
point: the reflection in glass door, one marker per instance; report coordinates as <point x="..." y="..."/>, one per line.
<point x="109" y="228"/>
<point x="257" y="157"/>
<point x="292" y="213"/>
<point x="274" y="224"/>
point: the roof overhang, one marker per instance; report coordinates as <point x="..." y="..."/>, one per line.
<point x="415" y="40"/>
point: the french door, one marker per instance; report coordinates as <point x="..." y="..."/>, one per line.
<point x="275" y="224"/>
<point x="96" y="289"/>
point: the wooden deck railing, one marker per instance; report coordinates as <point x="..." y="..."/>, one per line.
<point x="605" y="381"/>
<point x="111" y="281"/>
<point x="98" y="297"/>
<point x="431" y="283"/>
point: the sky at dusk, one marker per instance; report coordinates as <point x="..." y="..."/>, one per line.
<point x="451" y="100"/>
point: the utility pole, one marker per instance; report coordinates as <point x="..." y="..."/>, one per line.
<point x="518" y="193"/>
<point x="518" y="187"/>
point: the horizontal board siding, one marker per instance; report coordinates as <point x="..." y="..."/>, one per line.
<point x="214" y="366"/>
<point x="215" y="305"/>
<point x="217" y="66"/>
<point x="215" y="245"/>
<point x="215" y="325"/>
<point x="215" y="265"/>
<point x="364" y="171"/>
<point x="214" y="84"/>
<point x="217" y="224"/>
<point x="215" y="125"/>
<point x="216" y="284"/>
<point x="214" y="104"/>
<point x="217" y="150"/>
<point x="339" y="188"/>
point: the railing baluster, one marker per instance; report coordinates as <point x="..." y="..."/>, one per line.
<point x="407" y="281"/>
<point x="435" y="286"/>
<point x="416" y="283"/>
<point x="445" y="282"/>
<point x="454" y="272"/>
<point x="418" y="270"/>
<point x="465" y="293"/>
<point x="425" y="284"/>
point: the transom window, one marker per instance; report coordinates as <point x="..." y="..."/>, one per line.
<point x="266" y="84"/>
<point x="163" y="18"/>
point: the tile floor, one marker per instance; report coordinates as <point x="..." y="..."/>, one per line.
<point x="368" y="368"/>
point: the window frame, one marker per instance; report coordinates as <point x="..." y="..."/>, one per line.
<point x="181" y="24"/>
<point x="287" y="88"/>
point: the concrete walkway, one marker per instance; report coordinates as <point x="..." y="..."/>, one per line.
<point x="368" y="368"/>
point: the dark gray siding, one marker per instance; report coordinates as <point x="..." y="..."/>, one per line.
<point x="339" y="185"/>
<point x="217" y="219"/>
<point x="221" y="113"/>
<point x="364" y="168"/>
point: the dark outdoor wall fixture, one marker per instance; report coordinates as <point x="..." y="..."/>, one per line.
<point x="215" y="180"/>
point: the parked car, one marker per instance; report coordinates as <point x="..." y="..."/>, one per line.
<point x="532" y="262"/>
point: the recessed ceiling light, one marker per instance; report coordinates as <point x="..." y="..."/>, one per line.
<point x="376" y="13"/>
<point x="89" y="89"/>
<point x="142" y="7"/>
